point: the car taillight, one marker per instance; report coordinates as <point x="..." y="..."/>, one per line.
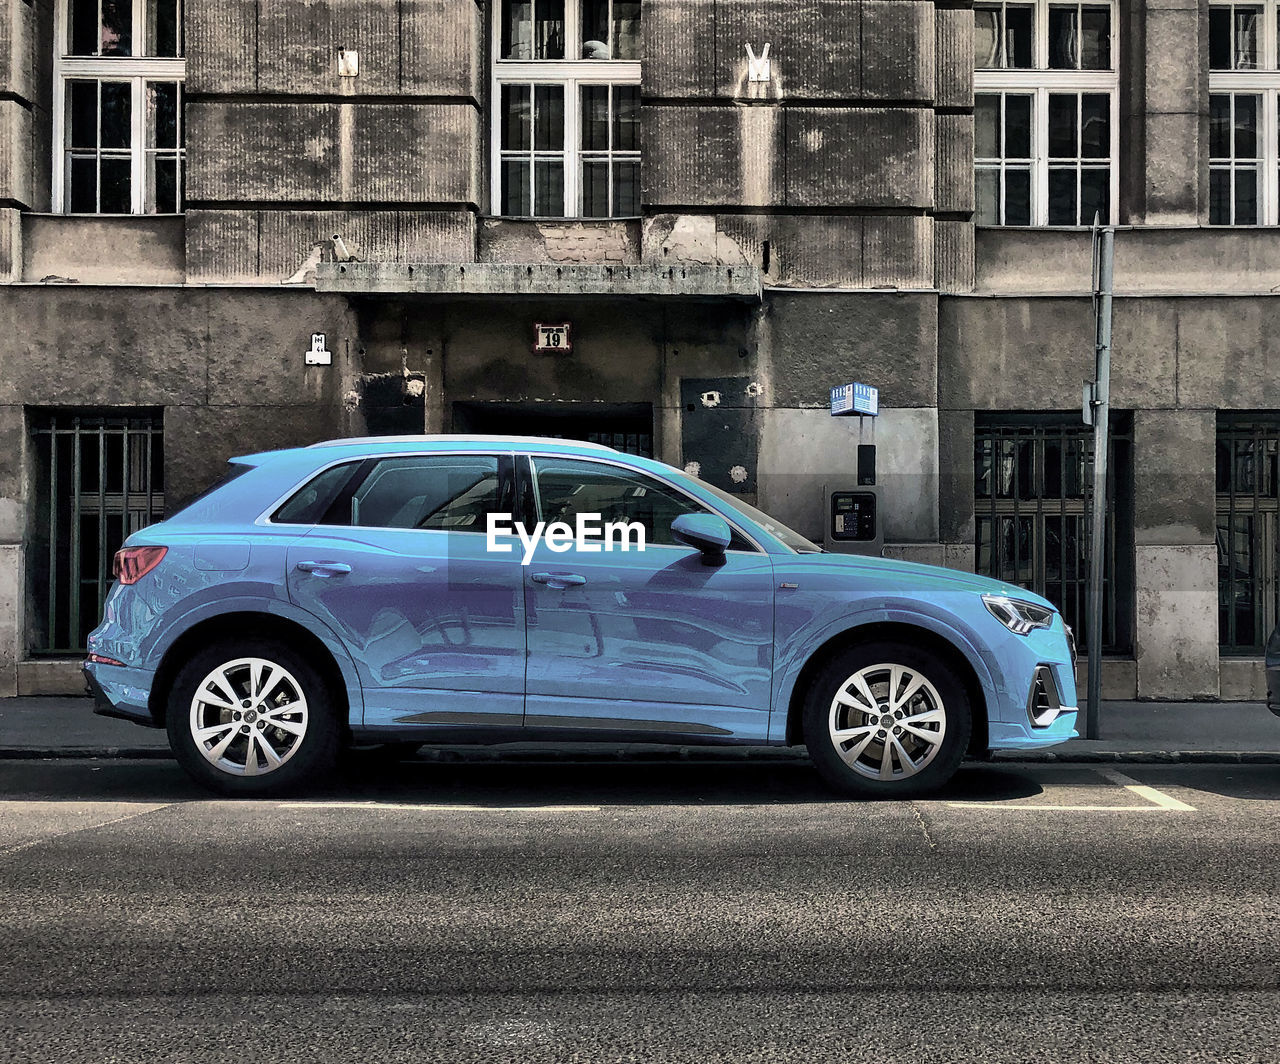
<point x="133" y="563"/>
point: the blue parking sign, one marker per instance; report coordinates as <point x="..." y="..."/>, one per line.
<point x="855" y="398"/>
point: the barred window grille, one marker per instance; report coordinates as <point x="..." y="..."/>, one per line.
<point x="1033" y="482"/>
<point x="99" y="476"/>
<point x="1247" y="531"/>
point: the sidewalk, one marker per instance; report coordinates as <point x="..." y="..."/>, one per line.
<point x="1133" y="731"/>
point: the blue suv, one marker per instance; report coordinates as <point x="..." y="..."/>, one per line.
<point x="495" y="589"/>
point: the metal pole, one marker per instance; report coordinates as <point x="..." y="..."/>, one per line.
<point x="1101" y="413"/>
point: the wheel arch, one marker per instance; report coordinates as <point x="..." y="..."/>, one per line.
<point x="247" y="625"/>
<point x="892" y="631"/>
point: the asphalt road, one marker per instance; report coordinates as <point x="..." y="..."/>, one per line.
<point x="659" y="912"/>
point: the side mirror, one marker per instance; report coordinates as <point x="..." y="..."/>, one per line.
<point x="704" y="532"/>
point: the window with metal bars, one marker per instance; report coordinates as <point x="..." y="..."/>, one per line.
<point x="1033" y="482"/>
<point x="99" y="476"/>
<point x="1247" y="531"/>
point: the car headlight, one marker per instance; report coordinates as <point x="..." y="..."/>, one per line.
<point x="1021" y="618"/>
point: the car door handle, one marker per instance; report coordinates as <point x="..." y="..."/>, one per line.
<point x="325" y="568"/>
<point x="559" y="580"/>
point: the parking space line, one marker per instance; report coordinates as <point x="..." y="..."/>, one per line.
<point x="1159" y="801"/>
<point x="407" y="807"/>
<point x="1158" y="798"/>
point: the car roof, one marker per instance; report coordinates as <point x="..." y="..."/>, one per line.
<point x="459" y="438"/>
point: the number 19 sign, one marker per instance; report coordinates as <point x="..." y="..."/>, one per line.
<point x="552" y="339"/>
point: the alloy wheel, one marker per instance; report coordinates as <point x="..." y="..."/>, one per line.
<point x="887" y="722"/>
<point x="248" y="716"/>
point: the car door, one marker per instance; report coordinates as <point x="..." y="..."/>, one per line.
<point x="653" y="642"/>
<point x="399" y="568"/>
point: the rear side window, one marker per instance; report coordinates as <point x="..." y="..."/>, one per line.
<point x="233" y="470"/>
<point x="308" y="504"/>
<point x="448" y="493"/>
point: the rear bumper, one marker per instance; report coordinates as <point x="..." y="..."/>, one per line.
<point x="119" y="691"/>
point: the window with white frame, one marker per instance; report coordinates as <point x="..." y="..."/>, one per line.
<point x="118" y="129"/>
<point x="1046" y="124"/>
<point x="1244" y="80"/>
<point x="566" y="92"/>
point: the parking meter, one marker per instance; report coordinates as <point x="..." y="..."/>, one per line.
<point x="852" y="519"/>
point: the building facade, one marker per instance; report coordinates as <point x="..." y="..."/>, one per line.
<point x="733" y="207"/>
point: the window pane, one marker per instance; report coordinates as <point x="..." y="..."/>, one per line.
<point x="115" y="195"/>
<point x="82" y="27"/>
<point x="548" y="29"/>
<point x="567" y="488"/>
<point x="548" y="188"/>
<point x="1246" y="127"/>
<point x="162" y="114"/>
<point x="987" y="195"/>
<point x="1247" y="23"/>
<point x="1017" y="129"/>
<point x="517" y="29"/>
<point x="1219" y="197"/>
<point x="1062" y="196"/>
<point x="595" y="29"/>
<point x="626" y="189"/>
<point x="595" y="117"/>
<point x="986" y="126"/>
<point x="1219" y="38"/>
<point x="82" y="114"/>
<point x="595" y="189"/>
<point x="626" y="117"/>
<point x="162" y="184"/>
<point x="515" y="118"/>
<point x="1095" y="38"/>
<point x="163" y="26"/>
<point x="515" y="188"/>
<point x="1017" y="197"/>
<point x="1064" y="53"/>
<point x="84" y="185"/>
<point x="548" y="118"/>
<point x="1095" y="195"/>
<point x="1246" y="185"/>
<point x="626" y="29"/>
<point x="1063" y="141"/>
<point x="117" y="27"/>
<point x="1095" y="126"/>
<point x="986" y="37"/>
<point x="450" y="494"/>
<point x="117" y="114"/>
<point x="1219" y="126"/>
<point x="1017" y="41"/>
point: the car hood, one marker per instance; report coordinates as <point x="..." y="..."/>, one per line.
<point x="913" y="575"/>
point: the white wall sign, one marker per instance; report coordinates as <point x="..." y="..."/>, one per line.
<point x="318" y="356"/>
<point x="552" y="339"/>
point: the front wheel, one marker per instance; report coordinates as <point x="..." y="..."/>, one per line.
<point x="252" y="718"/>
<point x="888" y="720"/>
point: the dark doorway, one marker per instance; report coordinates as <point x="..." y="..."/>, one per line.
<point x="623" y="426"/>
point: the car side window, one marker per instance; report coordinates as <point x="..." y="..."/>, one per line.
<point x="567" y="487"/>
<point x="308" y="504"/>
<point x="448" y="493"/>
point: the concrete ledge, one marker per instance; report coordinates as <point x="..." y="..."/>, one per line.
<point x="505" y="279"/>
<point x="53" y="676"/>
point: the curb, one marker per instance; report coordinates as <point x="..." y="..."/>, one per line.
<point x="472" y="755"/>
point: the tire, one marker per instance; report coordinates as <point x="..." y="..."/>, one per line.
<point x="933" y="721"/>
<point x="299" y="730"/>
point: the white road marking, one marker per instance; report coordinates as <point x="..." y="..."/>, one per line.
<point x="1160" y="802"/>
<point x="407" y="807"/>
<point x="1158" y="798"/>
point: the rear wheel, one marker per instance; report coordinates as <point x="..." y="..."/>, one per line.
<point x="252" y="718"/>
<point x="887" y="719"/>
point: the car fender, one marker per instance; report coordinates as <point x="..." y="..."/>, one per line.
<point x="277" y="608"/>
<point x="807" y="641"/>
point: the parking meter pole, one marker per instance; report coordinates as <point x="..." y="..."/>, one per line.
<point x="1105" y="258"/>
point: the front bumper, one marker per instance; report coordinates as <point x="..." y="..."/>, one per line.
<point x="119" y="691"/>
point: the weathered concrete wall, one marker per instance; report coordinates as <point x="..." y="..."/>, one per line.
<point x="146" y="250"/>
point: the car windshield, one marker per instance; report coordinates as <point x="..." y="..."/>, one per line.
<point x="789" y="537"/>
